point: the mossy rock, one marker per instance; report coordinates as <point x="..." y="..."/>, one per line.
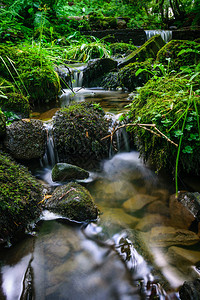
<point x="127" y="78"/>
<point x="73" y="202"/>
<point x="163" y="102"/>
<point x="122" y="49"/>
<point x="78" y="130"/>
<point x="63" y="172"/>
<point x="33" y="69"/>
<point x="2" y="123"/>
<point x="43" y="84"/>
<point x="20" y="194"/>
<point x="148" y="50"/>
<point x="98" y="21"/>
<point x="26" y="139"/>
<point x="190" y="56"/>
<point x="95" y="70"/>
<point x="16" y="103"/>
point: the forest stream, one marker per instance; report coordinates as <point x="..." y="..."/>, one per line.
<point x="122" y="255"/>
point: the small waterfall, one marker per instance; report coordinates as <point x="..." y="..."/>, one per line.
<point x="120" y="138"/>
<point x="165" y="34"/>
<point x="49" y="159"/>
<point x="77" y="78"/>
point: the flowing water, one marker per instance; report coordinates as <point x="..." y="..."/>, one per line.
<point x="121" y="256"/>
<point x="165" y="34"/>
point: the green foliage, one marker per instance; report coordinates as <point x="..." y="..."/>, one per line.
<point x="170" y="104"/>
<point x="19" y="195"/>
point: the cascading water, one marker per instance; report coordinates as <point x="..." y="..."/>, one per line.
<point x="165" y="34"/>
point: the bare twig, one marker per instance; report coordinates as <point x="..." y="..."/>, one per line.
<point x="143" y="126"/>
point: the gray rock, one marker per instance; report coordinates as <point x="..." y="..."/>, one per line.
<point x="74" y="202"/>
<point x="63" y="172"/>
<point x="26" y="139"/>
<point x="96" y="69"/>
<point x="190" y="290"/>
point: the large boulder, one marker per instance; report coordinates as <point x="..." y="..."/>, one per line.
<point x="20" y="194"/>
<point x="63" y="172"/>
<point x="190" y="290"/>
<point x="148" y="50"/>
<point x="26" y="139"/>
<point x="2" y="124"/>
<point x="162" y="102"/>
<point x="73" y="202"/>
<point x="92" y="75"/>
<point x="172" y="51"/>
<point x="78" y="132"/>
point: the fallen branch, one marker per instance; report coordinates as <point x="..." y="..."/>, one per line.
<point x="143" y="126"/>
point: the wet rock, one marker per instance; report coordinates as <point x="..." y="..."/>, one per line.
<point x="117" y="216"/>
<point x="165" y="236"/>
<point x="184" y="255"/>
<point x="74" y="202"/>
<point x="78" y="132"/>
<point x="147" y="50"/>
<point x="25" y="139"/>
<point x="20" y="194"/>
<point x="158" y="207"/>
<point x="63" y="172"/>
<point x="180" y="213"/>
<point x="151" y="220"/>
<point x="138" y="201"/>
<point x="190" y="290"/>
<point x="2" y="124"/>
<point x="92" y="75"/>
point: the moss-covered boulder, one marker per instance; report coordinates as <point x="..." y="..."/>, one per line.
<point x="20" y="194"/>
<point x="147" y="50"/>
<point x="168" y="103"/>
<point x="95" y="70"/>
<point x="172" y="51"/>
<point x="78" y="130"/>
<point x="31" y="71"/>
<point x="63" y="172"/>
<point x="42" y="84"/>
<point x="99" y="21"/>
<point x="122" y="49"/>
<point x="16" y="103"/>
<point x="74" y="202"/>
<point x="26" y="139"/>
<point x="127" y="78"/>
<point x="2" y="123"/>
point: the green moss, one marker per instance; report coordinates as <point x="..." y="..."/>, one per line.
<point x="31" y="67"/>
<point x="127" y="78"/>
<point x="147" y="50"/>
<point x="162" y="102"/>
<point x="98" y="21"/>
<point x="171" y="51"/>
<point x="78" y="131"/>
<point x="19" y="197"/>
<point x="42" y="83"/>
<point x="74" y="202"/>
<point x="16" y="103"/>
<point x="119" y="49"/>
<point x="2" y="123"/>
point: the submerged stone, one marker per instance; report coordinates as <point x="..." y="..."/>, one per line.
<point x="63" y="172"/>
<point x="165" y="236"/>
<point x="26" y="139"/>
<point x="190" y="290"/>
<point x="138" y="201"/>
<point x="184" y="255"/>
<point x="74" y="202"/>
